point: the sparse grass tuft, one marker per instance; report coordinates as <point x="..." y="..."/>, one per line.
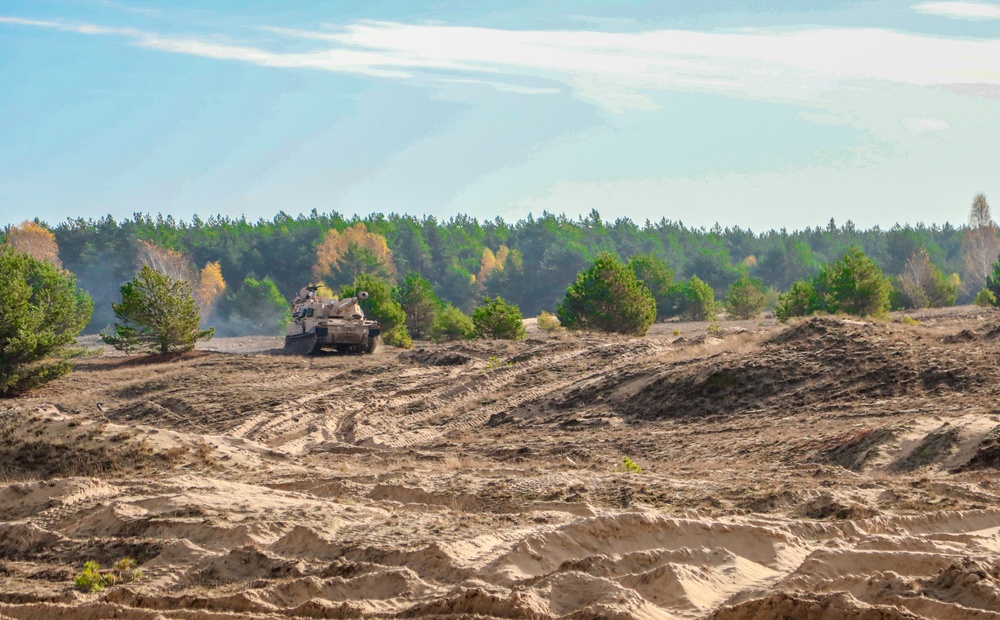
<point x="495" y="362"/>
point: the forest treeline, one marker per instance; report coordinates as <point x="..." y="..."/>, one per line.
<point x="530" y="262"/>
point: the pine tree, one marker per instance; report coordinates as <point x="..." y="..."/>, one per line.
<point x="157" y="314"/>
<point x="41" y="313"/>
<point x="608" y="297"/>
<point x="657" y="277"/>
<point x="854" y="285"/>
<point x="745" y="298"/>
<point x="420" y="304"/>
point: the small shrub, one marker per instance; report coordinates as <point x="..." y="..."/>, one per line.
<point x="676" y="332"/>
<point x="908" y="320"/>
<point x="714" y="327"/>
<point x="985" y="298"/>
<point x="745" y="298"/>
<point x="993" y="281"/>
<point x="800" y="300"/>
<point x="450" y="323"/>
<point x="125" y="571"/>
<point x="630" y="466"/>
<point x="548" y="322"/>
<point x="91" y="579"/>
<point x="494" y="362"/>
<point x="498" y="320"/>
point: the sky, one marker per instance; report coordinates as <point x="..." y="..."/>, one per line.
<point x="761" y="114"/>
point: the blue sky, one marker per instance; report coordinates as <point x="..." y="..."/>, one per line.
<point x="784" y="114"/>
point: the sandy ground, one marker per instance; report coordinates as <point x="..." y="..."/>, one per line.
<point x="833" y="468"/>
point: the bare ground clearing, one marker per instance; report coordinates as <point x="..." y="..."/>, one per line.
<point x="832" y="469"/>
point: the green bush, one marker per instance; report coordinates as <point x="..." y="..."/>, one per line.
<point x="451" y="324"/>
<point x="256" y="308"/>
<point x="548" y="322"/>
<point x="985" y="298"/>
<point x="700" y="300"/>
<point x="800" y="300"/>
<point x="745" y="298"/>
<point x="90" y="578"/>
<point x="157" y="314"/>
<point x="608" y="297"/>
<point x="657" y="277"/>
<point x="499" y="320"/>
<point x="629" y="466"/>
<point x="691" y="299"/>
<point x="993" y="281"/>
<point x="854" y="284"/>
<point x="922" y="285"/>
<point x="41" y="313"/>
<point x="420" y="303"/>
<point x="382" y="307"/>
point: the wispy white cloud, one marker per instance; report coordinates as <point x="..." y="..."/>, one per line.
<point x="960" y="10"/>
<point x="617" y="70"/>
<point x="919" y="125"/>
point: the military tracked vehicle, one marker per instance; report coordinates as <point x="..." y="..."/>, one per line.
<point x="340" y="325"/>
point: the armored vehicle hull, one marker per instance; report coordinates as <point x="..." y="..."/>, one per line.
<point x="331" y="324"/>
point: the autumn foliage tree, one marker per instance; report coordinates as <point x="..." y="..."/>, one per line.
<point x="170" y="263"/>
<point x="343" y="256"/>
<point x="492" y="262"/>
<point x="35" y="240"/>
<point x="211" y="287"/>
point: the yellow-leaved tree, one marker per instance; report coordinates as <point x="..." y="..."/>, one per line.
<point x="342" y="256"/>
<point x="211" y="287"/>
<point x="35" y="240"/>
<point x="492" y="262"/>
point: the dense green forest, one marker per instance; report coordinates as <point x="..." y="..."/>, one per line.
<point x="529" y="262"/>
